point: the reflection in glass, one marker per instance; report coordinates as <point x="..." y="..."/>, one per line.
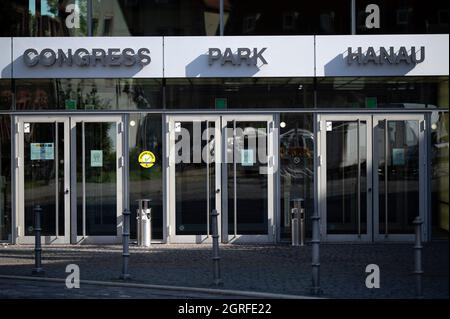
<point x="5" y="176"/>
<point x="44" y="176"/>
<point x="247" y="186"/>
<point x="43" y="18"/>
<point x="344" y="215"/>
<point x="194" y="179"/>
<point x="146" y="135"/>
<point x="296" y="168"/>
<point x="439" y="174"/>
<point x="96" y="178"/>
<point x="398" y="177"/>
<point x="5" y="94"/>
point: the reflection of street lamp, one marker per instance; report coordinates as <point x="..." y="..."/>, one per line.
<point x="434" y="126"/>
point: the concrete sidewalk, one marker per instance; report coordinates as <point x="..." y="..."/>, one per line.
<point x="261" y="268"/>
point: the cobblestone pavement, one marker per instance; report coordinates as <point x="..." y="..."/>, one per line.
<point x="262" y="268"/>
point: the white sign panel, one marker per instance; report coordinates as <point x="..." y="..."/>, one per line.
<point x="247" y="56"/>
<point x="5" y="58"/>
<point x="88" y="57"/>
<point x="382" y="55"/>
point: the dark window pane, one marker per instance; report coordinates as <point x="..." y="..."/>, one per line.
<point x="439" y="174"/>
<point x="43" y="18"/>
<point x="155" y="17"/>
<point x="146" y="135"/>
<point x="88" y="94"/>
<point x="287" y="17"/>
<point x="383" y="92"/>
<point x="5" y="95"/>
<point x="236" y="93"/>
<point x="5" y="176"/>
<point x="403" y="17"/>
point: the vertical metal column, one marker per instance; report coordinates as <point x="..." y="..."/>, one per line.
<point x="418" y="270"/>
<point x="386" y="149"/>
<point x="353" y="17"/>
<point x="215" y="243"/>
<point x="208" y="180"/>
<point x="126" y="243"/>
<point x="56" y="179"/>
<point x="89" y="18"/>
<point x="37" y="270"/>
<point x="359" y="177"/>
<point x="83" y="169"/>
<point x="235" y="156"/>
<point x="221" y="13"/>
<point x="315" y="243"/>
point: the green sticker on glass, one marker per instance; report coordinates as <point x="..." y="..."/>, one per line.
<point x="96" y="158"/>
<point x="371" y="102"/>
<point x="220" y="103"/>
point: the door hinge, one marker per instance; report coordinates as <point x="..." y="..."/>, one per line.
<point x="121" y="161"/>
<point x="17" y="162"/>
<point x="120" y="127"/>
<point x="319" y="160"/>
<point x="422" y="126"/>
<point x="17" y="127"/>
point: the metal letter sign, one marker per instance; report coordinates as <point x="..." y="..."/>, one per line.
<point x="385" y="56"/>
<point x="246" y="55"/>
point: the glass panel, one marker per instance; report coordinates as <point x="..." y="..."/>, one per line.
<point x="403" y="17"/>
<point x="145" y="134"/>
<point x="5" y="94"/>
<point x="191" y="177"/>
<point x="296" y="168"/>
<point x="439" y="174"/>
<point x="286" y="17"/>
<point x="42" y="18"/>
<point x="250" y="154"/>
<point x="41" y="149"/>
<point x="155" y="18"/>
<point x="86" y="94"/>
<point x="239" y="93"/>
<point x="100" y="166"/>
<point x="342" y="177"/>
<point x="5" y="176"/>
<point x="382" y="92"/>
<point x="401" y="177"/>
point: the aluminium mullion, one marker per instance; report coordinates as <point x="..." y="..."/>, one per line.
<point x="234" y="180"/>
<point x="56" y="179"/>
<point x="83" y="168"/>
<point x="359" y="177"/>
<point x="386" y="148"/>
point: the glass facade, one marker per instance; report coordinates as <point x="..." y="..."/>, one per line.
<point x="88" y="94"/>
<point x="37" y="18"/>
<point x="382" y="92"/>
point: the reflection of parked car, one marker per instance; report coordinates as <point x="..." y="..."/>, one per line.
<point x="297" y="153"/>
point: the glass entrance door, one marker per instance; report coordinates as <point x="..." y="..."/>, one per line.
<point x="248" y="178"/>
<point x="97" y="165"/>
<point x="399" y="175"/>
<point x="346" y="177"/>
<point x="43" y="178"/>
<point x="372" y="176"/>
<point x="224" y="163"/>
<point x="194" y="177"/>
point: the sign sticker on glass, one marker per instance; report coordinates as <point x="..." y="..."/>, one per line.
<point x="42" y="151"/>
<point x="96" y="158"/>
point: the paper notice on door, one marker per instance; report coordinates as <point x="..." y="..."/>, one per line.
<point x="329" y="126"/>
<point x="42" y="151"/>
<point x="96" y="158"/>
<point x="177" y="127"/>
<point x="398" y="156"/>
<point x="247" y="158"/>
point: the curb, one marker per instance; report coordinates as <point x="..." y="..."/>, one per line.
<point x="221" y="292"/>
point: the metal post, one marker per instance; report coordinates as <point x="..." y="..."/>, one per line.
<point x="215" y="242"/>
<point x="315" y="242"/>
<point x="221" y="16"/>
<point x="37" y="270"/>
<point x="126" y="243"/>
<point x="418" y="271"/>
<point x="302" y="226"/>
<point x="294" y="227"/>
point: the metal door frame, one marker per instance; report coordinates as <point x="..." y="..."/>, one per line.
<point x="170" y="187"/>
<point x="420" y="118"/>
<point x="322" y="180"/>
<point x="19" y="176"/>
<point x="272" y="165"/>
<point x="120" y="162"/>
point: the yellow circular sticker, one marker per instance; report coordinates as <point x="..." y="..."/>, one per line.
<point x="146" y="159"/>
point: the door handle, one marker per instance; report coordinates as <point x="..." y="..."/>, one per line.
<point x="370" y="189"/>
<point x="218" y="191"/>
<point x="66" y="191"/>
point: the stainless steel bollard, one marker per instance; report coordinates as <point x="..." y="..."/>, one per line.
<point x="126" y="243"/>
<point x="294" y="227"/>
<point x="37" y="270"/>
<point x="315" y="263"/>
<point x="297" y="222"/>
<point x="144" y="223"/>
<point x="215" y="243"/>
<point x="418" y="270"/>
